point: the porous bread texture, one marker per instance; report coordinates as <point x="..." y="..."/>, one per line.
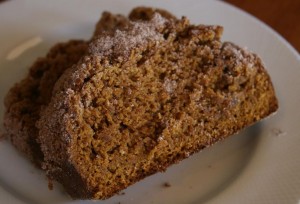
<point x="25" y="100"/>
<point x="147" y="97"/>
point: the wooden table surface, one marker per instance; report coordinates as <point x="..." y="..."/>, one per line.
<point x="282" y="15"/>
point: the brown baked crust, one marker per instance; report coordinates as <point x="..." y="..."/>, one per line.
<point x="145" y="98"/>
<point x="109" y="23"/>
<point x="146" y="14"/>
<point x="24" y="101"/>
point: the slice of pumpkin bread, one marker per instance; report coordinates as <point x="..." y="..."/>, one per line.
<point x="147" y="97"/>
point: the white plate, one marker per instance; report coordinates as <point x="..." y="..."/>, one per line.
<point x="256" y="166"/>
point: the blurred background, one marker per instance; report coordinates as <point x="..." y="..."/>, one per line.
<point x="282" y="15"/>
